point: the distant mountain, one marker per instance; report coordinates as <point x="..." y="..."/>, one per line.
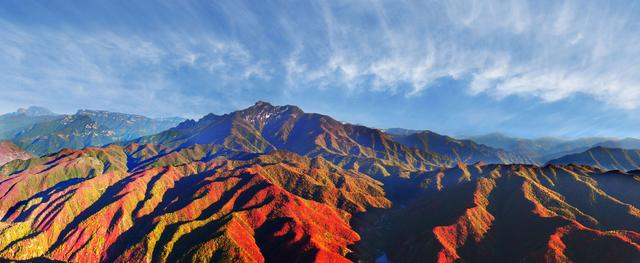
<point x="12" y="123"/>
<point x="466" y="151"/>
<point x="541" y="149"/>
<point x="130" y="126"/>
<point x="46" y="134"/>
<point x="626" y="143"/>
<point x="604" y="158"/>
<point x="9" y="152"/>
<point x="265" y="128"/>
<point x="401" y="131"/>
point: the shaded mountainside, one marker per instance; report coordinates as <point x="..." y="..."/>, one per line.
<point x="9" y="152"/>
<point x="275" y="184"/>
<point x="153" y="203"/>
<point x="466" y="151"/>
<point x="86" y="128"/>
<point x="516" y="213"/>
<point x="542" y="149"/>
<point x="147" y="203"/>
<point x="264" y="128"/>
<point x="626" y="143"/>
<point x="604" y="158"/>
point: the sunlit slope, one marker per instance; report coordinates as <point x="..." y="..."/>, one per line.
<point x="265" y="128"/>
<point x="9" y="152"/>
<point x="518" y="213"/>
<point x="145" y="203"/>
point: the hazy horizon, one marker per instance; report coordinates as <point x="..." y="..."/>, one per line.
<point x="457" y="136"/>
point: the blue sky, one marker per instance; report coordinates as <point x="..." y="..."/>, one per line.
<point x="525" y="68"/>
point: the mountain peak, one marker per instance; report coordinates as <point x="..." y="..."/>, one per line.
<point x="35" y="111"/>
<point x="261" y="103"/>
<point x="262" y="111"/>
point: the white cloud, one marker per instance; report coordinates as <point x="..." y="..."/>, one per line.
<point x="552" y="50"/>
<point x="548" y="49"/>
<point x="103" y="69"/>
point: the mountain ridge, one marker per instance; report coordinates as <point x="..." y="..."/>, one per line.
<point x="264" y="128"/>
<point x="604" y="158"/>
<point x="43" y="134"/>
<point x="9" y="152"/>
<point x="275" y="184"/>
<point x="466" y="151"/>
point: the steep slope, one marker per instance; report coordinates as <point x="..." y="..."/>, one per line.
<point x="460" y="150"/>
<point x="604" y="158"/>
<point x="264" y="128"/>
<point x="518" y="213"/>
<point x="146" y="203"/>
<point x="9" y="152"/>
<point x="86" y="128"/>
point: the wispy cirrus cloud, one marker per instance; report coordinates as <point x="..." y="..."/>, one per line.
<point x="105" y="68"/>
<point x="547" y="49"/>
<point x="194" y="57"/>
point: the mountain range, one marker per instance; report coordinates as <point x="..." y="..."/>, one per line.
<point x="545" y="149"/>
<point x="264" y="128"/>
<point x="604" y="158"/>
<point x="276" y="184"/>
<point x="466" y="151"/>
<point x="41" y="131"/>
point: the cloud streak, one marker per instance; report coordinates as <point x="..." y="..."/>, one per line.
<point x="103" y="68"/>
<point x="195" y="57"/>
<point x="551" y="50"/>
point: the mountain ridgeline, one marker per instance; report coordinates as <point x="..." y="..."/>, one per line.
<point x="41" y="132"/>
<point x="542" y="150"/>
<point x="604" y="158"/>
<point x="466" y="151"/>
<point x="264" y="128"/>
<point x="276" y="184"/>
<point x="517" y="213"/>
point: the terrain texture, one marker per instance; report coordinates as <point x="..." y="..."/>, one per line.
<point x="276" y="184"/>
